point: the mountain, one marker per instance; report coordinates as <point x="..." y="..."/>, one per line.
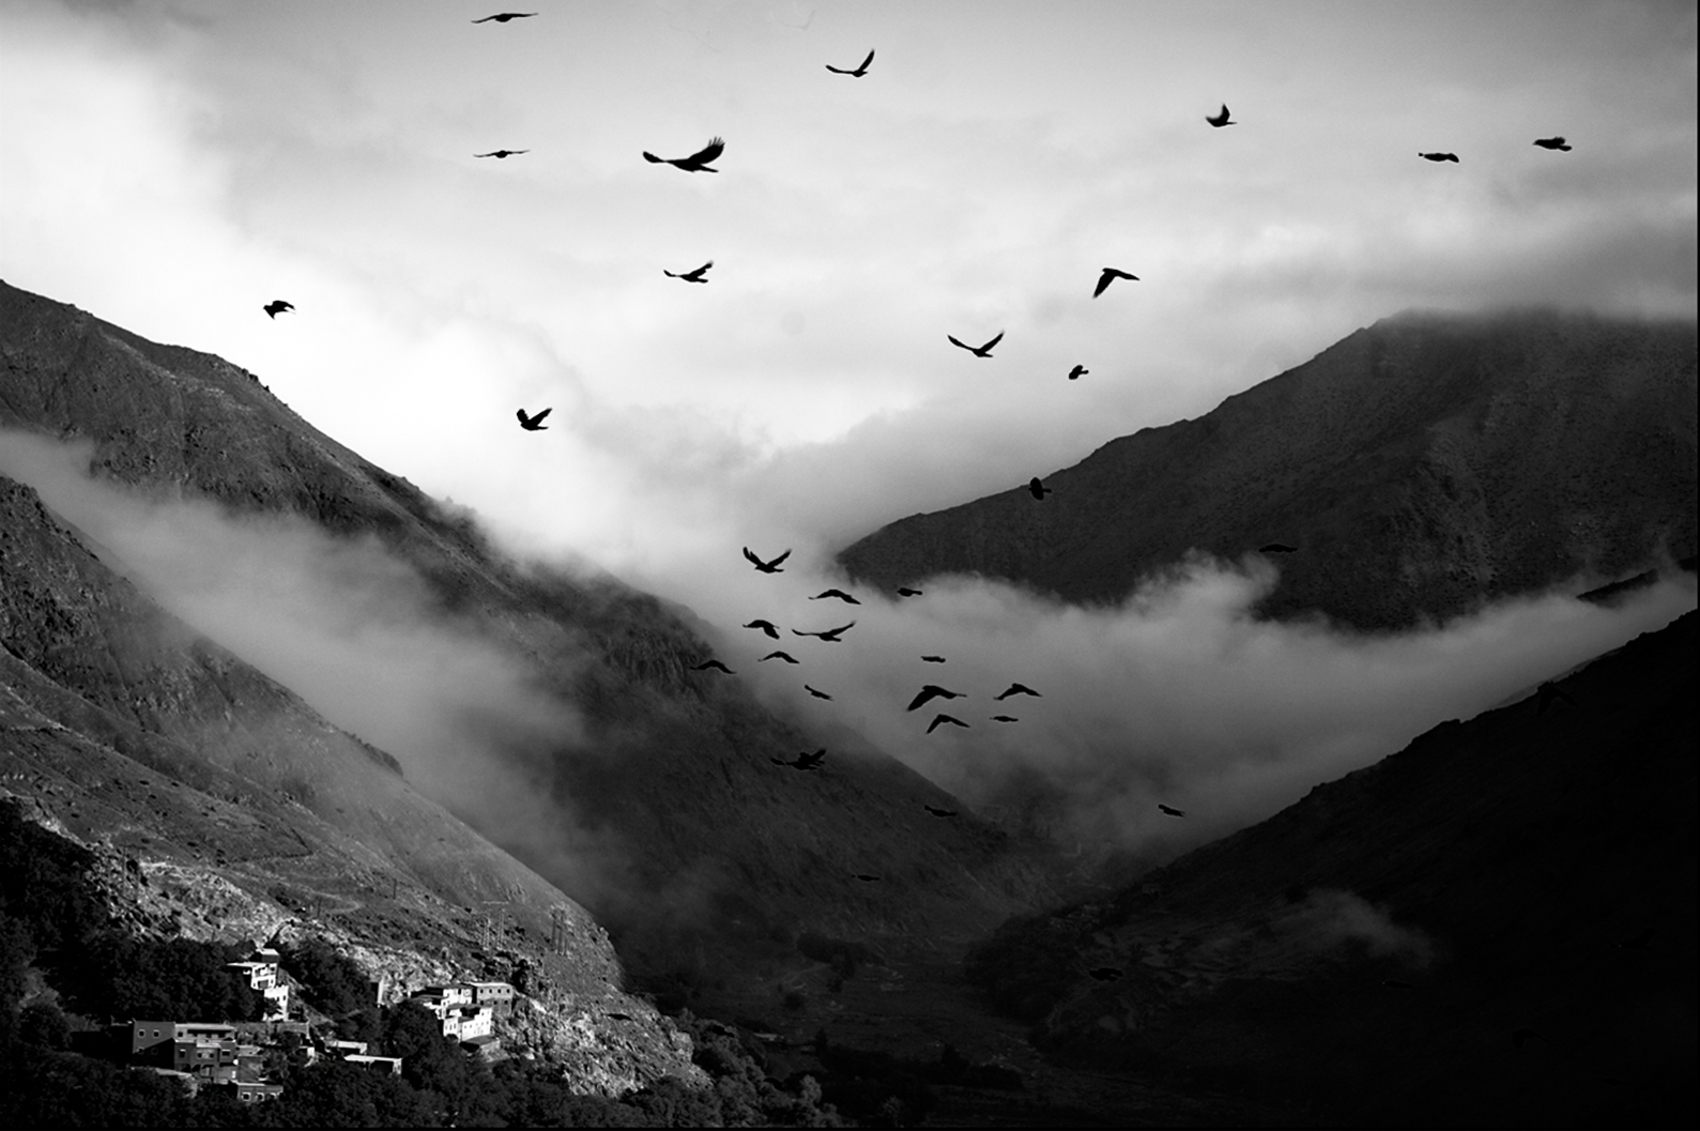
<point x="717" y="851"/>
<point x="1417" y="467"/>
<point x="1493" y="927"/>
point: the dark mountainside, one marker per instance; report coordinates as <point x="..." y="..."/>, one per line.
<point x="721" y="847"/>
<point x="1418" y="467"/>
<point x="1494" y="927"/>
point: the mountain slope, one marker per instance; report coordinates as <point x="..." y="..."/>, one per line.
<point x="1493" y="927"/>
<point x="1418" y="466"/>
<point x="714" y="843"/>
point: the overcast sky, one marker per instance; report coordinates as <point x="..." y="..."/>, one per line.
<point x="173" y="166"/>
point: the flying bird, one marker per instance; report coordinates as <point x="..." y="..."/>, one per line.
<point x="1452" y="157"/>
<point x="939" y="720"/>
<point x="941" y="812"/>
<point x="276" y="307"/>
<point x="766" y="567"/>
<point x="1018" y="689"/>
<point x="715" y="664"/>
<point x="865" y="878"/>
<point x="1077" y="372"/>
<point x="1037" y="489"/>
<point x="1548" y="694"/>
<point x="929" y="692"/>
<point x="1005" y="719"/>
<point x="831" y="635"/>
<point x="1171" y="812"/>
<point x="816" y="694"/>
<point x="932" y="659"/>
<point x="690" y="276"/>
<point x="839" y="593"/>
<point x="766" y="626"/>
<point x="803" y="761"/>
<point x="533" y="423"/>
<point x="1557" y="143"/>
<point x="977" y="351"/>
<point x="1110" y="275"/>
<point x="905" y="591"/>
<point x="504" y="17"/>
<point x="1106" y="973"/>
<point x="696" y="162"/>
<point x="502" y="154"/>
<point x="786" y="656"/>
<point x="855" y="74"/>
<point x="1277" y="548"/>
<point x="1221" y="119"/>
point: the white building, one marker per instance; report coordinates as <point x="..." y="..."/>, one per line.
<point x="265" y="978"/>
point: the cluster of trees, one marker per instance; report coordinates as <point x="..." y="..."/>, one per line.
<point x="329" y="979"/>
<point x="879" y="1089"/>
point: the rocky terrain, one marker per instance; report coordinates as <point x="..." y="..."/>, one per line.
<point x="1494" y="926"/>
<point x="719" y="852"/>
<point x="1419" y="467"/>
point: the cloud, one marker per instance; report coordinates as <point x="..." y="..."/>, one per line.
<point x="1329" y="918"/>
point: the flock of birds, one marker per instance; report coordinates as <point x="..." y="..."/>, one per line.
<point x="702" y="162"/>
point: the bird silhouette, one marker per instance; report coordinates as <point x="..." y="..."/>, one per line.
<point x="1521" y="1037"/>
<point x="855" y="74"/>
<point x="504" y="17"/>
<point x="977" y="351"/>
<point x="838" y="593"/>
<point x="786" y="656"/>
<point x="940" y="720"/>
<point x="815" y="693"/>
<point x="276" y="307"/>
<point x="1005" y="719"/>
<point x="1642" y="941"/>
<point x="929" y="692"/>
<point x="533" y="423"/>
<point x="1037" y="489"/>
<point x="1548" y="694"/>
<point x="1221" y="119"/>
<point x="690" y="276"/>
<point x="932" y="659"/>
<point x="1108" y="276"/>
<point x="715" y="664"/>
<point x="1396" y="984"/>
<point x="1105" y="973"/>
<point x="941" y="812"/>
<point x="1452" y="157"/>
<point x="502" y="154"/>
<point x="766" y="626"/>
<point x="1277" y="548"/>
<point x="1017" y="689"/>
<point x="804" y="761"/>
<point x="1557" y="143"/>
<point x="766" y="567"/>
<point x="696" y="162"/>
<point x="1077" y="372"/>
<point x="611" y="1014"/>
<point x="831" y="635"/>
<point x="1171" y="812"/>
<point x="865" y="878"/>
<point x="905" y="591"/>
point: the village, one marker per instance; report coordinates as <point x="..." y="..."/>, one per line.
<point x="238" y="1054"/>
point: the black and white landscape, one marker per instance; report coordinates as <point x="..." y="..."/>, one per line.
<point x="1096" y="611"/>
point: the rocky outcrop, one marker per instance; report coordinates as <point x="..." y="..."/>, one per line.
<point x="1419" y="467"/>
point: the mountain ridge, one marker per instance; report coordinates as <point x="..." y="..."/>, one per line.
<point x="1420" y="466"/>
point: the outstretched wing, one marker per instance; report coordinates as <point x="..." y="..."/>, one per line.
<point x="954" y="342"/>
<point x="866" y="61"/>
<point x="1103" y="281"/>
<point x="707" y="153"/>
<point x="780" y="558"/>
<point x="538" y="419"/>
<point x="994" y="341"/>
